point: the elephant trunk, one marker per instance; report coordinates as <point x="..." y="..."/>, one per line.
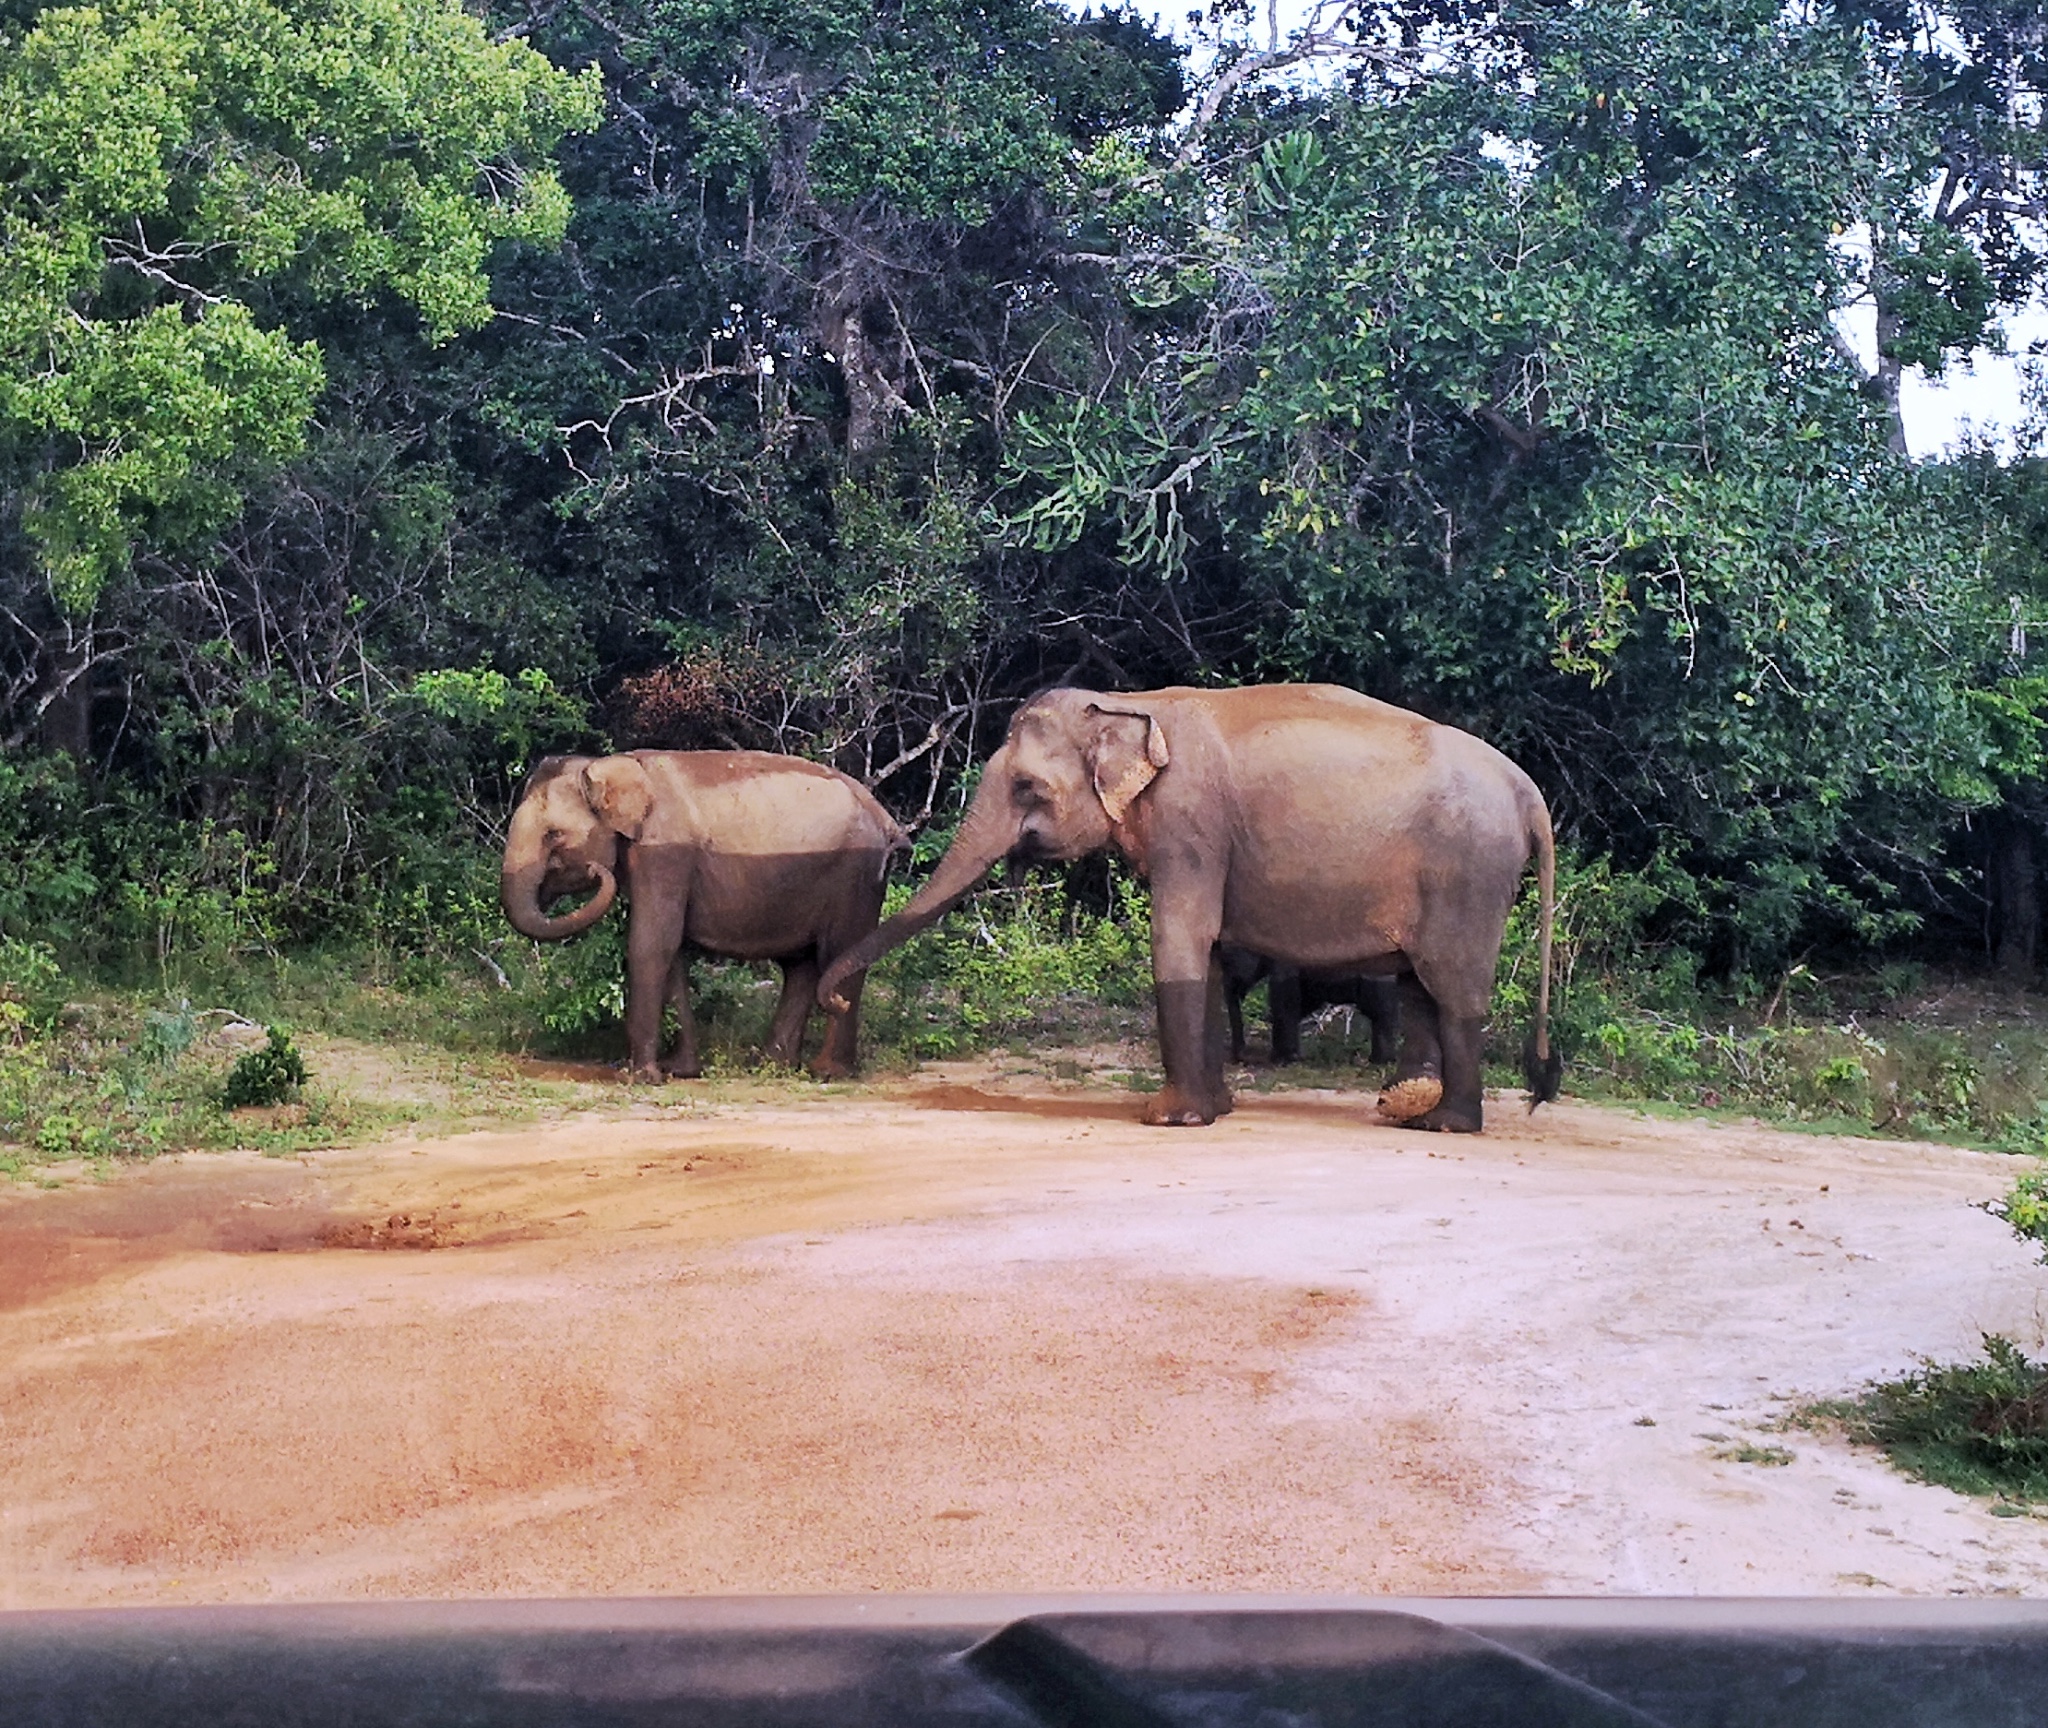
<point x="519" y="889"/>
<point x="986" y="837"/>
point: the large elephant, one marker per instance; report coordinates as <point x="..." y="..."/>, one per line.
<point x="1292" y="995"/>
<point x="735" y="852"/>
<point x="1302" y="821"/>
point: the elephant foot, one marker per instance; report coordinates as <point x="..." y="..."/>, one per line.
<point x="1170" y="1109"/>
<point x="647" y="1074"/>
<point x="1407" y="1101"/>
<point x="683" y="1068"/>
<point x="822" y="1069"/>
<point x="1445" y="1120"/>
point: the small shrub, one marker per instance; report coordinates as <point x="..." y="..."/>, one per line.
<point x="2028" y="1133"/>
<point x="1021" y="958"/>
<point x="167" y="1035"/>
<point x="29" y="984"/>
<point x="1658" y="1055"/>
<point x="1978" y="1427"/>
<point x="269" y="1075"/>
<point x="2025" y="1208"/>
<point x="581" y="986"/>
<point x="1844" y="1082"/>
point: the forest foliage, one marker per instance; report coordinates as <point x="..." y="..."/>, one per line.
<point x="391" y="392"/>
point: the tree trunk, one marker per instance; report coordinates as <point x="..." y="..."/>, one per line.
<point x="66" y="723"/>
<point x="1883" y="385"/>
<point x="2013" y="879"/>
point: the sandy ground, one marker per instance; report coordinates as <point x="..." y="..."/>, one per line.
<point x="970" y="1333"/>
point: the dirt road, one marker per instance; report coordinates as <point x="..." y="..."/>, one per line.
<point x="968" y="1333"/>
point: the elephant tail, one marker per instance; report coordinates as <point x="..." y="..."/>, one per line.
<point x="1543" y="1067"/>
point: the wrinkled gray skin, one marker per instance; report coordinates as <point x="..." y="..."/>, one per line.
<point x="1308" y="823"/>
<point x="735" y="852"/>
<point x="1291" y="997"/>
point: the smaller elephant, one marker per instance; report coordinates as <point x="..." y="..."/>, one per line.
<point x="1293" y="995"/>
<point x="737" y="853"/>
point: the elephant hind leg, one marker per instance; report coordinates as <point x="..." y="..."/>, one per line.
<point x="1440" y="1052"/>
<point x="838" y="1058"/>
<point x="793" y="1012"/>
<point x="1285" y="1005"/>
<point x="1418" y="1083"/>
<point x="681" y="1060"/>
<point x="1461" y="1109"/>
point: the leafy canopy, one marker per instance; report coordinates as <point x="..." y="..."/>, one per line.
<point x="179" y="179"/>
<point x="1512" y="391"/>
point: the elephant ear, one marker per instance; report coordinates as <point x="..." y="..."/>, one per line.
<point x="616" y="787"/>
<point x="1125" y="758"/>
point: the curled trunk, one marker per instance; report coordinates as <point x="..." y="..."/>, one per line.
<point x="519" y="889"/>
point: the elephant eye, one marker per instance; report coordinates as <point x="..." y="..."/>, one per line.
<point x="1027" y="790"/>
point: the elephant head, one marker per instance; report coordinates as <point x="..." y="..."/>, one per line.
<point x="564" y="839"/>
<point x="1067" y="774"/>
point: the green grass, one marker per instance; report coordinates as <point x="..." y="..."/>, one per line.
<point x="92" y="1071"/>
<point x="1747" y="1452"/>
<point x="1978" y="1427"/>
<point x="86" y="1067"/>
<point x="118" y="1060"/>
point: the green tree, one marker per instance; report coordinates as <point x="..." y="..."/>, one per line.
<point x="181" y="177"/>
<point x="1510" y="391"/>
<point x="1959" y="235"/>
<point x="756" y="405"/>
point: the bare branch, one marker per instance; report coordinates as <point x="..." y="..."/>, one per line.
<point x="1328" y="34"/>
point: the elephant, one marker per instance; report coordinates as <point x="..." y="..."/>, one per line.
<point x="1306" y="822"/>
<point x="1292" y="995"/>
<point x="738" y="853"/>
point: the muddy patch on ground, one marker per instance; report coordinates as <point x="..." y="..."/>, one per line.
<point x="1047" y="1107"/>
<point x="587" y="1073"/>
<point x="730" y="1431"/>
<point x="54" y="1242"/>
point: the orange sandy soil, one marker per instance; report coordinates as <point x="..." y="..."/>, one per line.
<point x="977" y="1332"/>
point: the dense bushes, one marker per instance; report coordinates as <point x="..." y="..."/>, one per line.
<point x="1893" y="1047"/>
<point x="1504" y="382"/>
<point x="1453" y="384"/>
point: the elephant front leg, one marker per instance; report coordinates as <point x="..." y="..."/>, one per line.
<point x="1187" y="983"/>
<point x="1188" y="1099"/>
<point x="786" y="1033"/>
<point x="653" y="950"/>
<point x="681" y="1061"/>
<point x="1216" y="1040"/>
